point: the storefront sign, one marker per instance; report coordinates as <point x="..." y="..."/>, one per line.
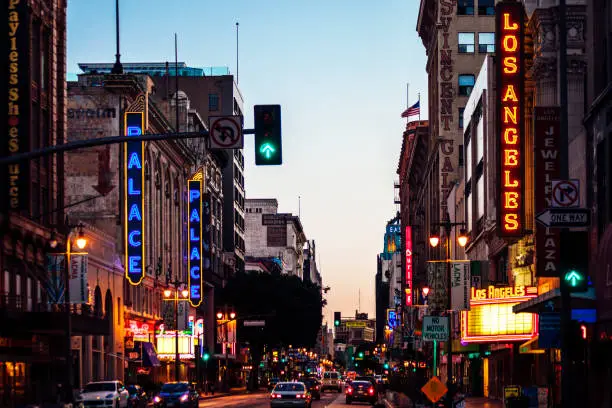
<point x="435" y="328"/>
<point x="134" y="223"/>
<point x="408" y="266"/>
<point x="392" y="318"/>
<point x="79" y="290"/>
<point x="194" y="260"/>
<point x="16" y="176"/>
<point x="547" y="167"/>
<point x="355" y="324"/>
<point x="88" y="113"/>
<point x="460" y="286"/>
<point x="140" y="331"/>
<point x="491" y="320"/>
<point x="510" y="118"/>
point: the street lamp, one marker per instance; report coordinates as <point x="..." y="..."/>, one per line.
<point x="425" y="291"/>
<point x="184" y="297"/>
<point x="462" y="240"/>
<point x="229" y="317"/>
<point x="81" y="243"/>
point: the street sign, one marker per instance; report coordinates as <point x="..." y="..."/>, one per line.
<point x="226" y="132"/>
<point x="550" y="330"/>
<point x="434" y="389"/>
<point x="566" y="193"/>
<point x="435" y="328"/>
<point x="565" y="217"/>
<point x="255" y="323"/>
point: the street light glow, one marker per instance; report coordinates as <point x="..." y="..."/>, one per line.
<point x="81" y="241"/>
<point x="462" y="239"/>
<point x="167" y="293"/>
<point x="434" y="240"/>
<point x="425" y="291"/>
<point x="184" y="293"/>
<point x="219" y="315"/>
<point x="232" y="315"/>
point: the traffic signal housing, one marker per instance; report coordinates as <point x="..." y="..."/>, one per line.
<point x="268" y="141"/>
<point x="205" y="353"/>
<point x="574" y="260"/>
<point x="337" y="318"/>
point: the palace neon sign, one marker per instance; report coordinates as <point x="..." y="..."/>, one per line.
<point x="510" y="31"/>
<point x="134" y="198"/>
<point x="194" y="261"/>
<point x="408" y="266"/>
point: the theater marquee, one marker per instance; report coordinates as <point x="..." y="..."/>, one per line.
<point x="510" y="118"/>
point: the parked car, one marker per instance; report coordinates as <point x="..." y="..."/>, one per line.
<point x="290" y="394"/>
<point x="137" y="397"/>
<point x="176" y="395"/>
<point x="314" y="387"/>
<point x="331" y="380"/>
<point x="104" y="394"/>
<point x="362" y="391"/>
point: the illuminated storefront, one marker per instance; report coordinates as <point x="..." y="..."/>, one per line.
<point x="491" y="320"/>
<point x="166" y="349"/>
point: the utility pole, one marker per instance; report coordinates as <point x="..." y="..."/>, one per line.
<point x="566" y="300"/>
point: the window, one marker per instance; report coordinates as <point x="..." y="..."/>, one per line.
<point x="486" y="42"/>
<point x="468" y="161"/>
<point x="486" y="7"/>
<point x="480" y="203"/>
<point x="213" y="102"/>
<point x="465" y="8"/>
<point x="466" y="42"/>
<point x="461" y="117"/>
<point x="466" y="84"/>
<point x="461" y="162"/>
<point x="29" y="293"/>
<point x="468" y="206"/>
<point x="479" y="140"/>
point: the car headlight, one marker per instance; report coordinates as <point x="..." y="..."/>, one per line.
<point x="184" y="397"/>
<point x="157" y="399"/>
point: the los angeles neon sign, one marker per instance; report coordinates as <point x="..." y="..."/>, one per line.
<point x="134" y="198"/>
<point x="510" y="31"/>
<point x="194" y="262"/>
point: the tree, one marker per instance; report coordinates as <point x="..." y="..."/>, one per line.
<point x="291" y="308"/>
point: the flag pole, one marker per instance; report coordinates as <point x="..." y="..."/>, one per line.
<point x="407" y="99"/>
<point x="419" y="105"/>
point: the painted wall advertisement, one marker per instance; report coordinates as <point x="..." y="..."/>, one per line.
<point x="460" y="285"/>
<point x="547" y="162"/>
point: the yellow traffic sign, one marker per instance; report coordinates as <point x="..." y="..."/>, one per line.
<point x="434" y="389"/>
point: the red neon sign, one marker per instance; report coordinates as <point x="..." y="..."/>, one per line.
<point x="408" y="240"/>
<point x="510" y="32"/>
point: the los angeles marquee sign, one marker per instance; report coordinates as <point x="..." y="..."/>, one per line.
<point x="510" y="117"/>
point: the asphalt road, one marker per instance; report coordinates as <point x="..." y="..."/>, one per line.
<point x="328" y="399"/>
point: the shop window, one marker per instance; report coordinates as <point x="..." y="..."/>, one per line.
<point x="466" y="84"/>
<point x="465" y="8"/>
<point x="466" y="43"/>
<point x="486" y="43"/>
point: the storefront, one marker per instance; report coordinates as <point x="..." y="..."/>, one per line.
<point x="166" y="353"/>
<point x="142" y="364"/>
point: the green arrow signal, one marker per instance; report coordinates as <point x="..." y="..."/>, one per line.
<point x="573" y="278"/>
<point x="267" y="150"/>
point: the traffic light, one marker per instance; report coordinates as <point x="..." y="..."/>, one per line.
<point x="574" y="260"/>
<point x="337" y="319"/>
<point x="205" y="353"/>
<point x="268" y="143"/>
<point x="386" y="366"/>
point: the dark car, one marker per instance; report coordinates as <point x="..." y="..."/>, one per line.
<point x="314" y="387"/>
<point x="176" y="395"/>
<point x="362" y="391"/>
<point x="368" y="378"/>
<point x="137" y="398"/>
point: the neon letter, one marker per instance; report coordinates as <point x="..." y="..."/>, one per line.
<point x="193" y="195"/>
<point x="195" y="254"/>
<point x="195" y="216"/>
<point x="195" y="292"/>
<point x="134" y="266"/>
<point x="507" y="182"/>
<point x="131" y="190"/>
<point x="510" y="157"/>
<point x="134" y="213"/>
<point x="510" y="115"/>
<point x="134" y="131"/>
<point x="507" y="25"/>
<point x="195" y="272"/>
<point x="134" y="161"/>
<point x="510" y="43"/>
<point x="510" y="66"/>
<point x="510" y="135"/>
<point x="511" y="221"/>
<point x="132" y="239"/>
<point x="193" y="235"/>
<point x="510" y="94"/>
<point x="511" y="198"/>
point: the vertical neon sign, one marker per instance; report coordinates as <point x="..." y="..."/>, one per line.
<point x="134" y="198"/>
<point x="510" y="81"/>
<point x="194" y="263"/>
<point x="408" y="266"/>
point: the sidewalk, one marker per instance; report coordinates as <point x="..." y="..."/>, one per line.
<point x="478" y="402"/>
<point x="232" y="391"/>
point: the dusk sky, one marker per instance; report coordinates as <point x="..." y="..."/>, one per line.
<point x="339" y="69"/>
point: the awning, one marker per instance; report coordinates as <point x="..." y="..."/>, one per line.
<point x="149" y="356"/>
<point x="531" y="347"/>
<point x="551" y="302"/>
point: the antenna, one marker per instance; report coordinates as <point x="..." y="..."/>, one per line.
<point x="237" y="66"/>
<point x="176" y="79"/>
<point x="299" y="206"/>
<point x="359" y="304"/>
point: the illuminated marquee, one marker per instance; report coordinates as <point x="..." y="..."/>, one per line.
<point x="408" y="266"/>
<point x="194" y="261"/>
<point x="490" y="318"/>
<point x="510" y="123"/>
<point x="134" y="199"/>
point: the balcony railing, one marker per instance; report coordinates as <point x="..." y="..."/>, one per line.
<point x="21" y="304"/>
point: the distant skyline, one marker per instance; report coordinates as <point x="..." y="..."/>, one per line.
<point x="339" y="69"/>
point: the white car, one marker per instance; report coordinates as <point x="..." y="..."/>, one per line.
<point x="331" y="381"/>
<point x="105" y="394"/>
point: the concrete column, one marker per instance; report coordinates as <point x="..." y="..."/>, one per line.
<point x="86" y="374"/>
<point x="100" y="374"/>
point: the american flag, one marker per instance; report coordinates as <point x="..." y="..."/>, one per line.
<point x="413" y="110"/>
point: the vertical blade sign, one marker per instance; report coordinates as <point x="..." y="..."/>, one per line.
<point x="408" y="289"/>
<point x="194" y="209"/>
<point x="510" y="123"/>
<point x="134" y="198"/>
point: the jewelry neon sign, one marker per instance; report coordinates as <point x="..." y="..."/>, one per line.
<point x="194" y="263"/>
<point x="510" y="32"/>
<point x="134" y="198"/>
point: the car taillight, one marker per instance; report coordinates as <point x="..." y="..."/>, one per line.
<point x="317" y="387"/>
<point x="275" y="396"/>
<point x="349" y="390"/>
<point x="371" y="390"/>
<point x="300" y="396"/>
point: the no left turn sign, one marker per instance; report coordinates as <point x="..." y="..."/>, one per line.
<point x="225" y="132"/>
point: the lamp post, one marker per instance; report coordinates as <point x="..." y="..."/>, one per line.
<point x="184" y="297"/>
<point x="226" y="318"/>
<point x="462" y="240"/>
<point x="81" y="243"/>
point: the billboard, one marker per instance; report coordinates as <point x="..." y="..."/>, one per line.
<point x="133" y="184"/>
<point x="547" y="167"/>
<point x="15" y="85"/>
<point x="194" y="244"/>
<point x="510" y="118"/>
<point x="408" y="250"/>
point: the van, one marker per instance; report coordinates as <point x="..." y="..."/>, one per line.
<point x="331" y="381"/>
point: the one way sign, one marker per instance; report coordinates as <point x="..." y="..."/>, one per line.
<point x="565" y="217"/>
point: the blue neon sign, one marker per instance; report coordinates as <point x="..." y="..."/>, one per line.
<point x="134" y="199"/>
<point x="194" y="259"/>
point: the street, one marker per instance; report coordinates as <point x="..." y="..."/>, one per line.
<point x="328" y="399"/>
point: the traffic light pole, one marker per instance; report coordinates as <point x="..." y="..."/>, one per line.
<point x="566" y="299"/>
